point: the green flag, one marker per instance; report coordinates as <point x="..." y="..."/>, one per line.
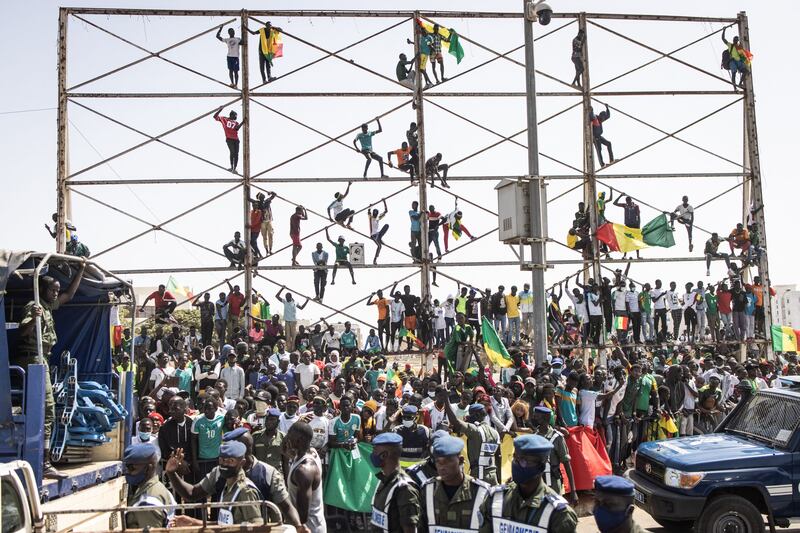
<point x="494" y="348"/>
<point x="658" y="233"/>
<point x="455" y="47"/>
<point x="350" y="483"/>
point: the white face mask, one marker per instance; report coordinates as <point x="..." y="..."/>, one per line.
<point x="431" y="393"/>
<point x="408" y="423"/>
<point x="144" y="436"/>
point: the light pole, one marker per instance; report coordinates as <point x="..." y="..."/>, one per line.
<point x="537" y="192"/>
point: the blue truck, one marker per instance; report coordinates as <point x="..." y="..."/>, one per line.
<point x="745" y="473"/>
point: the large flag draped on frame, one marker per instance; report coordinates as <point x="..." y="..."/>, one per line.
<point x="350" y="482"/>
<point x="179" y="291"/>
<point x="621" y="238"/>
<point x="784" y="338"/>
<point x="494" y="348"/>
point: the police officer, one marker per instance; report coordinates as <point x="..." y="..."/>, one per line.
<point x="27" y="352"/>
<point x="237" y="488"/>
<point x="559" y="454"/>
<point x="422" y="472"/>
<point x="527" y="504"/>
<point x="144" y="488"/>
<point x="452" y="499"/>
<point x="395" y="504"/>
<point x="613" y="505"/>
<point x="267" y="479"/>
<point x="483" y="441"/>
<point x="267" y="443"/>
<point x="416" y="438"/>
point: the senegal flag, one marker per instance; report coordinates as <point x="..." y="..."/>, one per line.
<point x="784" y="338"/>
<point x="494" y="348"/>
<point x="272" y="44"/>
<point x="410" y="335"/>
<point x="621" y="322"/>
<point x="179" y="291"/>
<point x="621" y="238"/>
<point x="454" y="46"/>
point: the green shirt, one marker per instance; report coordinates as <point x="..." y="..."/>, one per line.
<point x="528" y="510"/>
<point x="344" y="431"/>
<point x="711" y="304"/>
<point x="27" y="343"/>
<point x="209" y="436"/>
<point x="647" y="384"/>
<point x="645" y="301"/>
<point x="341" y="251"/>
<point x="184" y="379"/>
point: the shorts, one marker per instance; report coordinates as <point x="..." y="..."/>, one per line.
<point x="233" y="64"/>
<point x="423" y="61"/>
<point x="295" y="239"/>
<point x="410" y="322"/>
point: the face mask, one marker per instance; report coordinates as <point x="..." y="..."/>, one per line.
<point x="377" y="460"/>
<point x="408" y="423"/>
<point x="134" y="480"/>
<point x="521" y="474"/>
<point x="608" y="520"/>
<point x="431" y="394"/>
<point x="228" y="471"/>
<point x="144" y="436"/>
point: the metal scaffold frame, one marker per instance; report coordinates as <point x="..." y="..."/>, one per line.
<point x="587" y="178"/>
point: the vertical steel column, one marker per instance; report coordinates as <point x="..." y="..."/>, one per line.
<point x="425" y="288"/>
<point x="538" y="201"/>
<point x="245" y="81"/>
<point x="589" y="183"/>
<point x="62" y="192"/>
<point x="754" y="196"/>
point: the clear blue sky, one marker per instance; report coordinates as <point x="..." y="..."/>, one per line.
<point x="29" y="147"/>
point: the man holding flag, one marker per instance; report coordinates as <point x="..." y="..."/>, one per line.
<point x="270" y="47"/>
<point x="456" y="349"/>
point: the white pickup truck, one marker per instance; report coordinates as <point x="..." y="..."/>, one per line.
<point x="97" y="508"/>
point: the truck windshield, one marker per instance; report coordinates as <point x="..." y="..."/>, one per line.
<point x="767" y="417"/>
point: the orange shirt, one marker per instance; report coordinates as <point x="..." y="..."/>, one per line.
<point x="402" y="155"/>
<point x="255" y="219"/>
<point x="383" y="308"/>
<point x="758" y="290"/>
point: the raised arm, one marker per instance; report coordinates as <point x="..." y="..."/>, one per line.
<point x="724" y="40"/>
<point x="64" y="297"/>
<point x="217" y="112"/>
<point x="380" y="128"/>
<point x="219" y="37"/>
<point x="369" y="299"/>
<point x="185" y="490"/>
<point x="627" y="269"/>
<point x="620" y="199"/>
<point x="327" y="236"/>
<point x="346" y="191"/>
<point x="456" y="424"/>
<point x="304" y="305"/>
<point x="385" y="208"/>
<point x="278" y="294"/>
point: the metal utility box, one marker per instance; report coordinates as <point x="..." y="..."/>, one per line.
<point x="513" y="210"/>
<point x="357" y="253"/>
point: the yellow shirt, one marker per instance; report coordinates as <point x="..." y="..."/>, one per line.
<point x="572" y="240"/>
<point x="512" y="305"/>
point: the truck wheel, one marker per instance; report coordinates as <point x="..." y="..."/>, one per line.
<point x="673" y="525"/>
<point x="730" y="513"/>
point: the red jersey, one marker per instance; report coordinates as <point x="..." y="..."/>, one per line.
<point x="724" y="302"/>
<point x="159" y="299"/>
<point x="230" y="127"/>
<point x="235" y="302"/>
<point x="256" y="216"/>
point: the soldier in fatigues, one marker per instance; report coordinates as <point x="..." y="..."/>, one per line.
<point x="144" y="488"/>
<point x="237" y="488"/>
<point x="395" y="504"/>
<point x="527" y="504"/>
<point x="422" y="472"/>
<point x="452" y="500"/>
<point x="613" y="505"/>
<point x="483" y="441"/>
<point x="27" y="349"/>
<point x="558" y="456"/>
<point x="268" y="442"/>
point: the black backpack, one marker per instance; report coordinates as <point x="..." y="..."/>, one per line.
<point x="726" y="60"/>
